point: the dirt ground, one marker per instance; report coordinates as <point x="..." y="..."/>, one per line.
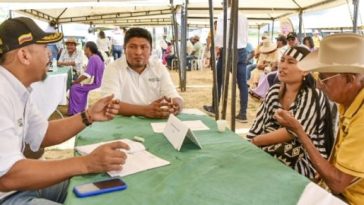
<point x="198" y="93"/>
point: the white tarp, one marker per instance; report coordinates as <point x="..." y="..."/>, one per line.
<point x="134" y="11"/>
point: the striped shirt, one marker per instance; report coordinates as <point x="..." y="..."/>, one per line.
<point x="303" y="108"/>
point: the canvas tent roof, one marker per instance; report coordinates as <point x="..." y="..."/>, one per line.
<point x="158" y="12"/>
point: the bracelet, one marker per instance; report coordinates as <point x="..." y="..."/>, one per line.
<point x="84" y="119"/>
<point x="291" y="133"/>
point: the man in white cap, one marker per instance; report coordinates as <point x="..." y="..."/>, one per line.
<point x="24" y="59"/>
<point x="340" y="64"/>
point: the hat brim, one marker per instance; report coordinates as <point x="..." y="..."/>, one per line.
<point x="71" y="42"/>
<point x="267" y="49"/>
<point x="311" y="63"/>
<point x="50" y="38"/>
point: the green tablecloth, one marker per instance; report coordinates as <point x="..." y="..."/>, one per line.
<point x="228" y="170"/>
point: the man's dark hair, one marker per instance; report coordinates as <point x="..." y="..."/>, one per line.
<point x="139" y="33"/>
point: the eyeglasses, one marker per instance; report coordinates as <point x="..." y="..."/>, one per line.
<point x="323" y="80"/>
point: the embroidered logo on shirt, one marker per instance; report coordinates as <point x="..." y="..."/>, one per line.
<point x="156" y="79"/>
<point x="20" y="122"/>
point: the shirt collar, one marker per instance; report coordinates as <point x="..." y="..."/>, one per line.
<point x="22" y="92"/>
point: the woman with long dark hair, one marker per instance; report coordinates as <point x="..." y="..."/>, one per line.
<point x="297" y="94"/>
<point x="308" y="41"/>
<point x="89" y="80"/>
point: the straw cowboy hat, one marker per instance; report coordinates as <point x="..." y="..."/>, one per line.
<point x="338" y="53"/>
<point x="267" y="46"/>
<point x="71" y="40"/>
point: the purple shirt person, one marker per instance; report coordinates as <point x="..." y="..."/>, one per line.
<point x="89" y="80"/>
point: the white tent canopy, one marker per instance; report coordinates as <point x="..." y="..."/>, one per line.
<point x="158" y="12"/>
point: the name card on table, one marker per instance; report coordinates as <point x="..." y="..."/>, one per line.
<point x="177" y="133"/>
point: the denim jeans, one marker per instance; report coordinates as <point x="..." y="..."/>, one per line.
<point x="53" y="195"/>
<point x="117" y="51"/>
<point x="249" y="69"/>
<point x="240" y="79"/>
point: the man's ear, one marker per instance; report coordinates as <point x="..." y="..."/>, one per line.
<point x="23" y="55"/>
<point x="350" y="78"/>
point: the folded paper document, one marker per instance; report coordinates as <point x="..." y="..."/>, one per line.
<point x="194" y="125"/>
<point x="138" y="159"/>
<point x="177" y="132"/>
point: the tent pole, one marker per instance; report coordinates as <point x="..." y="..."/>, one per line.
<point x="234" y="59"/>
<point x="183" y="52"/>
<point x="355" y="17"/>
<point x="154" y="37"/>
<point x="272" y="30"/>
<point x="225" y="71"/>
<point x="223" y="53"/>
<point x="175" y="34"/>
<point x="258" y="34"/>
<point x="213" y="61"/>
<point x="300" y="24"/>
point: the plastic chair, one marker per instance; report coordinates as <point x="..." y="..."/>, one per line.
<point x="196" y="64"/>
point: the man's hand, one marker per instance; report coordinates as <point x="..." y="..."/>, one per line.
<point x="286" y="119"/>
<point x="104" y="109"/>
<point x="158" y="109"/>
<point x="107" y="157"/>
<point x="173" y="105"/>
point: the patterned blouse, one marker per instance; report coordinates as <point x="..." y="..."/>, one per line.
<point x="303" y="108"/>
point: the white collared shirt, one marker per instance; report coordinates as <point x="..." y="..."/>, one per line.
<point x="242" y="30"/>
<point x="76" y="57"/>
<point x="138" y="89"/>
<point x="20" y="122"/>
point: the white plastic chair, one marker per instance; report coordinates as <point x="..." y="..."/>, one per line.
<point x="196" y="64"/>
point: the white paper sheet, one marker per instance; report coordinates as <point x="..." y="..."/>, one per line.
<point x="315" y="195"/>
<point x="5" y="194"/>
<point x="138" y="159"/>
<point x="194" y="125"/>
<point x="192" y="111"/>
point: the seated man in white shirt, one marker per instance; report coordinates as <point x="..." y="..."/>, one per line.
<point x="143" y="85"/>
<point x="24" y="59"/>
<point x="71" y="56"/>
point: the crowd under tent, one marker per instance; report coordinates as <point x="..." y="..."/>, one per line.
<point x="180" y="15"/>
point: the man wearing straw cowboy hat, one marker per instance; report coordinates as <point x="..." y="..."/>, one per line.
<point x="72" y="57"/>
<point x="340" y="64"/>
<point x="24" y="59"/>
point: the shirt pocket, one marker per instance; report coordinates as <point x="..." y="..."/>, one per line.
<point x="154" y="84"/>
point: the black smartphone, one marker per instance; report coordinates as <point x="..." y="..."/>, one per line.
<point x="99" y="187"/>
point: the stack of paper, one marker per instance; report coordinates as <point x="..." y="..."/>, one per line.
<point x="138" y="159"/>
